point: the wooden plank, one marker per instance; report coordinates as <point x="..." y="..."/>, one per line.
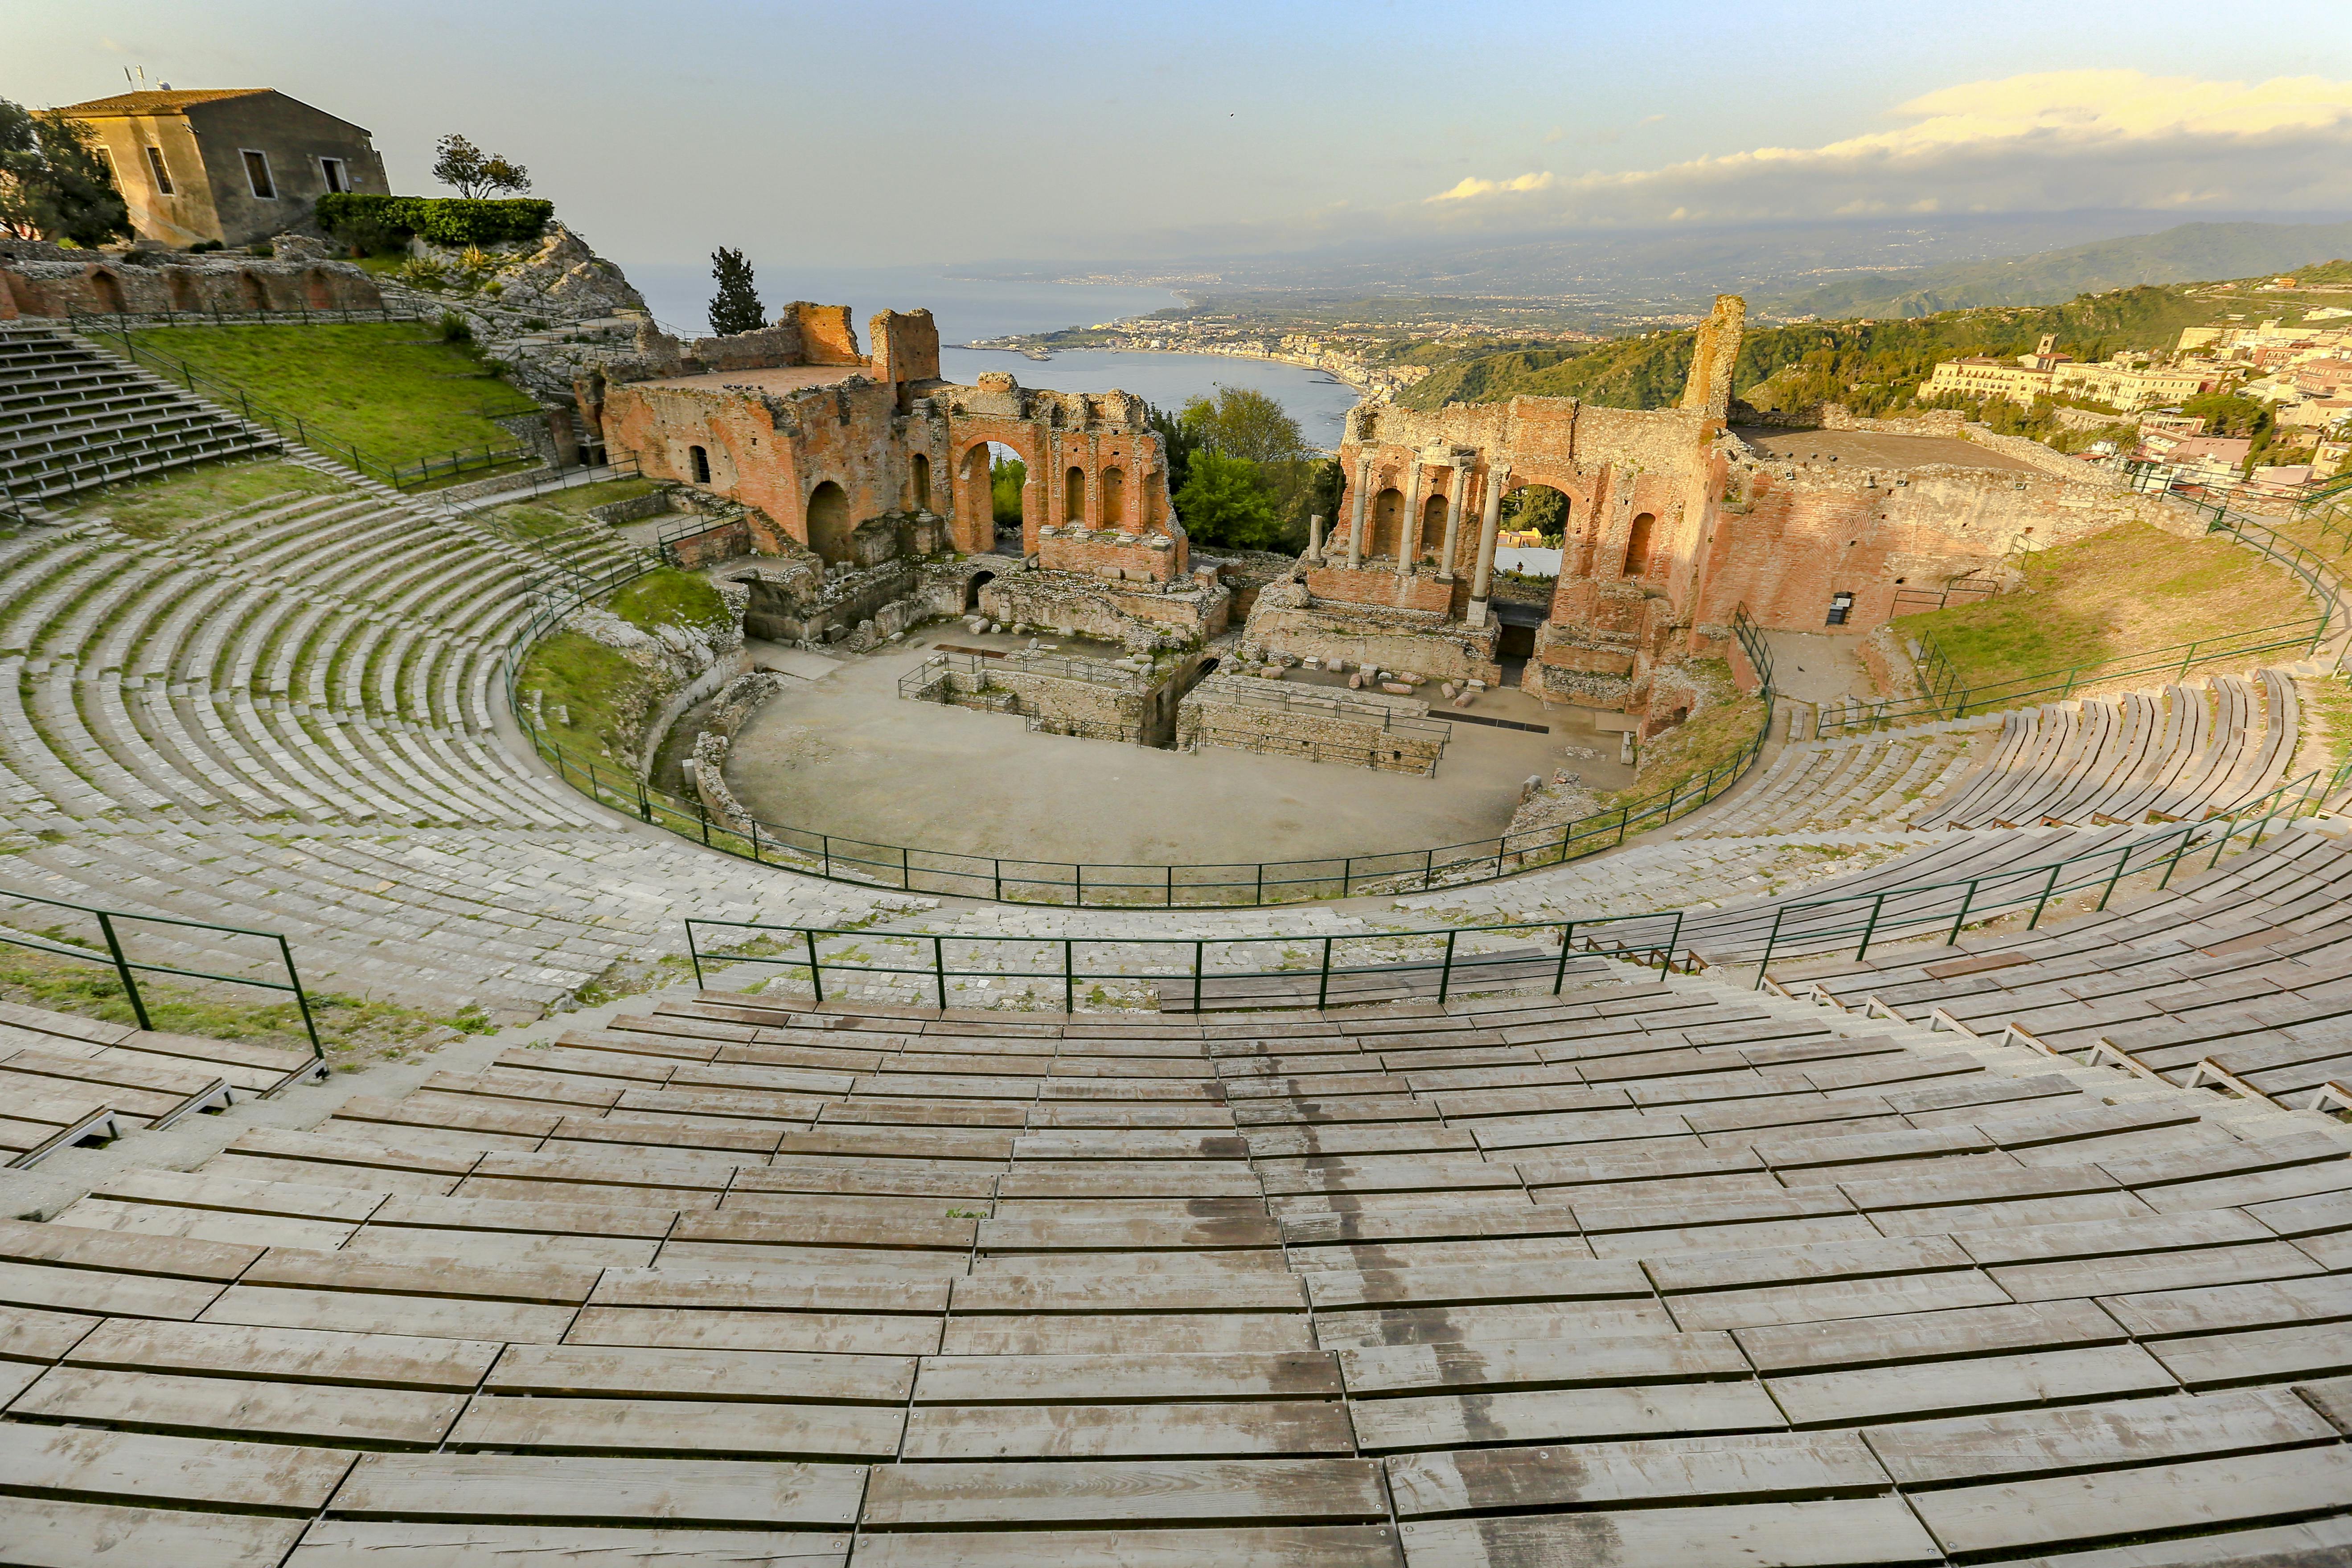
<point x="1863" y="1532"/>
<point x="1571" y="1281"/>
<point x="1981" y="1383"/>
<point x="592" y="1370"/>
<point x="837" y="1333"/>
<point x="1541" y="1364"/>
<point x="1265" y="1428"/>
<point x="38" y="1286"/>
<point x="2259" y="1355"/>
<point x="302" y="1412"/>
<point x="547" y="1490"/>
<point x="2153" y="1271"/>
<point x="2084" y="1509"/>
<point x="1072" y="1494"/>
<point x="387" y="1360"/>
<point x="55" y="1533"/>
<point x="377" y="1312"/>
<point x="1077" y="1334"/>
<point x="1768" y="1466"/>
<point x="27" y="1333"/>
<point x="1539" y="1415"/>
<point x="1234" y="1546"/>
<point x="1515" y="1321"/>
<point x="1077" y="1379"/>
<point x="2061" y="1441"/>
<point x="2234" y="1307"/>
<point x="420" y="1243"/>
<point x="206" y="1225"/>
<point x="350" y="1543"/>
<point x="1883" y="1295"/>
<point x="732" y="1427"/>
<point x="156" y="1471"/>
<point x="1906" y="1338"/>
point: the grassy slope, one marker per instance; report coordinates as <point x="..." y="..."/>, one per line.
<point x="2126" y="590"/>
<point x="393" y="389"/>
<point x="591" y="699"/>
<point x="151" y="508"/>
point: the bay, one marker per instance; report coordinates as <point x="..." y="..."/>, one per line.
<point x="970" y="308"/>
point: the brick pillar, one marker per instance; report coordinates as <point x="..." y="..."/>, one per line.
<point x="1363" y="500"/>
<point x="1490" y="523"/>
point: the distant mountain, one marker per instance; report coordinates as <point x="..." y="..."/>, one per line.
<point x="2191" y="252"/>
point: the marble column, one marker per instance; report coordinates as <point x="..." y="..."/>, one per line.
<point x="1453" y="490"/>
<point x="1482" y="579"/>
<point x="1315" y="539"/>
<point x="1355" y="526"/>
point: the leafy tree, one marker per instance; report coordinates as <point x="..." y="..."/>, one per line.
<point x="1006" y="478"/>
<point x="1240" y="423"/>
<point x="736" y="307"/>
<point x="1323" y="492"/>
<point x="53" y="182"/>
<point x="473" y="173"/>
<point x="1538" y="507"/>
<point x="1178" y="441"/>
<point x="1228" y="501"/>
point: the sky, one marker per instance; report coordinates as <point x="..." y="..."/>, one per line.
<point x="922" y="133"/>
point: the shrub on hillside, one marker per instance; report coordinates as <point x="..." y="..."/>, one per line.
<point x="356" y="215"/>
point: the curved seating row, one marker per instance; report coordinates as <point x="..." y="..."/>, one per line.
<point x="72" y="418"/>
<point x="2143" y="756"/>
<point x="281" y="717"/>
<point x="1859" y="782"/>
<point x="1646" y="1273"/>
<point x="2237" y="980"/>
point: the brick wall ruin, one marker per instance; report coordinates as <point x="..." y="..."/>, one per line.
<point x="1388" y="734"/>
<point x="40" y="279"/>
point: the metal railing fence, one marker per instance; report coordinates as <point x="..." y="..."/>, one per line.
<point x="1436" y="962"/>
<point x="110" y="953"/>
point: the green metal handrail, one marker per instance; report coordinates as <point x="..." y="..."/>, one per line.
<point x="126" y="969"/>
<point x="800" y="950"/>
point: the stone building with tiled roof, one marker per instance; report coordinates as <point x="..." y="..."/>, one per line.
<point x="231" y="165"/>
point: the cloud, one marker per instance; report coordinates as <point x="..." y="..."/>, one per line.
<point x="2051" y="140"/>
<point x="1471" y="188"/>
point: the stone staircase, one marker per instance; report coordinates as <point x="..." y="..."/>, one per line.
<point x="72" y="418"/>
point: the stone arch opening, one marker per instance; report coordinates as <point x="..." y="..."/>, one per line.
<point x="1637" y="546"/>
<point x="921" y="470"/>
<point x="698" y="459"/>
<point x="250" y="295"/>
<point x="828" y="522"/>
<point x="180" y="290"/>
<point x="971" y="589"/>
<point x="1074" y="495"/>
<point x="318" y="293"/>
<point x="1114" y="497"/>
<point x="1432" y="527"/>
<point x="108" y="290"/>
<point x="1386" y="526"/>
<point x="1539" y="508"/>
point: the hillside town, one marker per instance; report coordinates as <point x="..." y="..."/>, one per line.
<point x="2301" y="374"/>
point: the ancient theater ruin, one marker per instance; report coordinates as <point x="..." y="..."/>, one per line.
<point x="1676" y="519"/>
<point x="863" y="481"/>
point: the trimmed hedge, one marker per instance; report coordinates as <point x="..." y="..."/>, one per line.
<point x="443" y="220"/>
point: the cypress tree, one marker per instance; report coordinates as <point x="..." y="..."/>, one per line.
<point x="736" y="307"/>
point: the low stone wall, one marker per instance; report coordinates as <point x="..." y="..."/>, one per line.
<point x="707" y="769"/>
<point x="1285" y="620"/>
<point x="1057" y="696"/>
<point x="37" y="280"/>
<point x="1240" y="714"/>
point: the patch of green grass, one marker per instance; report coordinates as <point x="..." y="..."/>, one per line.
<point x="669" y="597"/>
<point x="529" y="521"/>
<point x="354" y="1029"/>
<point x="153" y="508"/>
<point x="393" y="389"/>
<point x="2127" y="591"/>
<point x="589" y="699"/>
<point x="2327" y="707"/>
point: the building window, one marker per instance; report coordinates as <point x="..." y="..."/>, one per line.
<point x="1840" y="606"/>
<point x="155" y="167"/>
<point x="338" y="179"/>
<point x="700" y="460"/>
<point x="256" y="174"/>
